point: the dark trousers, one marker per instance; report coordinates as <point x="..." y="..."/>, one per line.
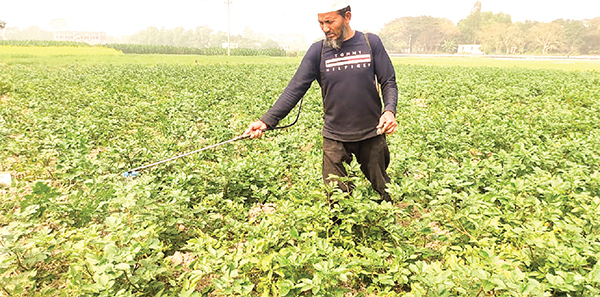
<point x="372" y="154"/>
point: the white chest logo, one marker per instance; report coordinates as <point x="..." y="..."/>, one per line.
<point x="349" y="60"/>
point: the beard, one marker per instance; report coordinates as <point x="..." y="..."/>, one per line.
<point x="336" y="43"/>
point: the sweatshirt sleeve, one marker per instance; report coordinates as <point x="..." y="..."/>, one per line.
<point x="386" y="76"/>
<point x="307" y="72"/>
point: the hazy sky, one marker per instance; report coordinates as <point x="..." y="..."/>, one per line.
<point x="125" y="17"/>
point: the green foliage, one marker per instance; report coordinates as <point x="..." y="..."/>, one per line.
<point x="450" y="46"/>
<point x="495" y="186"/>
<point x="178" y="50"/>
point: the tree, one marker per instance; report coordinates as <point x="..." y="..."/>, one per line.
<point x="252" y="39"/>
<point x="187" y="38"/>
<point x="488" y="18"/>
<point x="417" y="34"/>
<point x="524" y="43"/>
<point x="394" y="35"/>
<point x="546" y="36"/>
<point x="471" y="25"/>
<point x="449" y="29"/>
<point x="218" y="38"/>
<point x="202" y="36"/>
<point x="514" y="40"/>
<point x="176" y="37"/>
<point x="592" y="36"/>
<point x="30" y="33"/>
<point x="427" y="34"/>
<point x="572" y="39"/>
<point x="490" y="38"/>
<point x="500" y="38"/>
<point x="269" y="43"/>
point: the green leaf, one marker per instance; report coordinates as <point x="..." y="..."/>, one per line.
<point x="555" y="280"/>
<point x="594" y="275"/>
<point x="284" y="287"/>
<point x="122" y="266"/>
<point x="386" y="280"/>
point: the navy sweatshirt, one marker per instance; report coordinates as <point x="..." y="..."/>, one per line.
<point x="351" y="103"/>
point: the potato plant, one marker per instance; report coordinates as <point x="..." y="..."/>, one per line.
<point x="495" y="186"/>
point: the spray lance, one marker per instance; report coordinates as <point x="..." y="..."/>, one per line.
<point x="134" y="172"/>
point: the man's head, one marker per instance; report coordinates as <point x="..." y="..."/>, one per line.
<point x="336" y="24"/>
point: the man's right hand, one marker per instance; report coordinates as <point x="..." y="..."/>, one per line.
<point x="256" y="129"/>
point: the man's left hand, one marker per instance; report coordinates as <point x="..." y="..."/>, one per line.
<point x="387" y="123"/>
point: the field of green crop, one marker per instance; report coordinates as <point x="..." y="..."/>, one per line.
<point x="495" y="184"/>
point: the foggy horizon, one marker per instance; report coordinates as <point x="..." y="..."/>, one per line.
<point x="268" y="17"/>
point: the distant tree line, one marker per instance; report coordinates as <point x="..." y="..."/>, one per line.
<point x="200" y="37"/>
<point x="29" y="33"/>
<point x="495" y="32"/>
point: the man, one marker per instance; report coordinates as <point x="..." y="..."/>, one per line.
<point x="345" y="65"/>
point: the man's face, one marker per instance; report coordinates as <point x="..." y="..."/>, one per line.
<point x="335" y="27"/>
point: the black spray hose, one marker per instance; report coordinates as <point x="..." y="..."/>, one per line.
<point x="294" y="122"/>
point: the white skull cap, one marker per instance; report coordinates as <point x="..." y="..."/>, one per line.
<point x="326" y="6"/>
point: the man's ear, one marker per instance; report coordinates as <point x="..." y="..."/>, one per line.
<point x="348" y="15"/>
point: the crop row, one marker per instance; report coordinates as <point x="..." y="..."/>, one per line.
<point x="495" y="186"/>
<point x="152" y="49"/>
<point x="180" y="50"/>
<point x="42" y="43"/>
